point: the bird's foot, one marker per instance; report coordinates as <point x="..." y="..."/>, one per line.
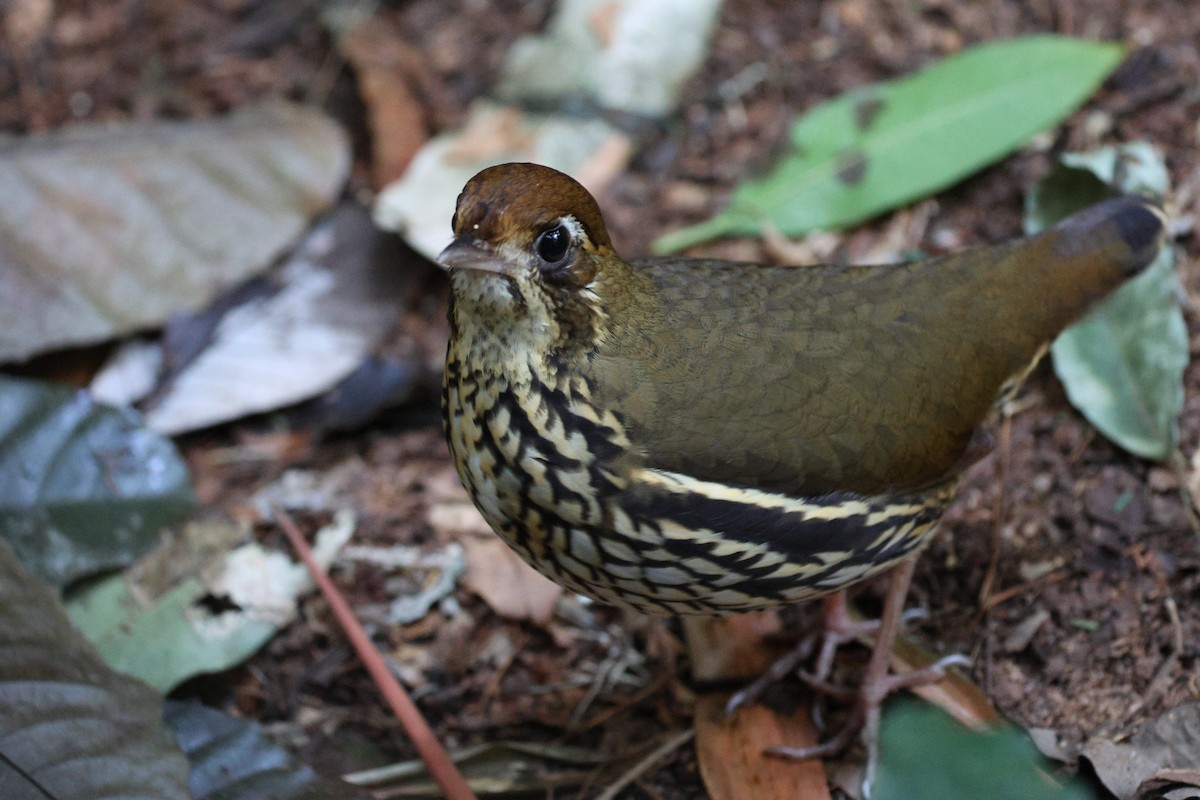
<point x="837" y="628"/>
<point x="779" y="669"/>
<point x="877" y="682"/>
<point x="864" y="716"/>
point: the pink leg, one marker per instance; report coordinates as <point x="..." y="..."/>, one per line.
<point x="877" y="682"/>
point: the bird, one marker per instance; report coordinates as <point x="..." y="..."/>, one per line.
<point x="692" y="436"/>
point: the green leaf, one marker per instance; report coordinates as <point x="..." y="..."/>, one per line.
<point x="881" y="146"/>
<point x="232" y="760"/>
<point x="925" y="754"/>
<point x="86" y="487"/>
<point x="70" y="728"/>
<point x="1122" y="365"/>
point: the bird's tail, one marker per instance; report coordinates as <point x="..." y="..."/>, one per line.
<point x="1127" y="232"/>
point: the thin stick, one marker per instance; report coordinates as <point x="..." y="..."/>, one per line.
<point x="1180" y="464"/>
<point x="637" y="770"/>
<point x="443" y="770"/>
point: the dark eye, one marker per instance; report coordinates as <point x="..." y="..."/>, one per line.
<point x="553" y="244"/>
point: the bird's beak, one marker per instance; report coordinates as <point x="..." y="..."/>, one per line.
<point x="466" y="254"/>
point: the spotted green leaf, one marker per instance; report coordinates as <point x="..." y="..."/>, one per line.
<point x="881" y="146"/>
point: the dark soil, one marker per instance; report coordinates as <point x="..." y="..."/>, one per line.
<point x="1057" y="525"/>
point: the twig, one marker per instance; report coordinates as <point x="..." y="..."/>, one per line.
<point x="443" y="770"/>
<point x="626" y="704"/>
<point x="1037" y="583"/>
<point x="638" y="769"/>
<point x="603" y="677"/>
<point x="1185" y="493"/>
<point x="1176" y="624"/>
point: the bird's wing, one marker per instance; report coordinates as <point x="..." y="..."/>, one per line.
<point x="862" y="378"/>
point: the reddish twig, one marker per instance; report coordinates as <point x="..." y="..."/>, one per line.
<point x="443" y="770"/>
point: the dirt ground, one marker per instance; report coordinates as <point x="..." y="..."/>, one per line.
<point x="1067" y="569"/>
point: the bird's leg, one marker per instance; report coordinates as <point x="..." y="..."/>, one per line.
<point x="877" y="682"/>
<point x="837" y="628"/>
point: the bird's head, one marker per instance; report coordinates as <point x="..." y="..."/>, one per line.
<point x="530" y="255"/>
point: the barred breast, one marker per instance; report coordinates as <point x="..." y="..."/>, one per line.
<point x="558" y="479"/>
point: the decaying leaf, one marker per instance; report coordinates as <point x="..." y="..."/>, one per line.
<point x="731" y="748"/>
<point x="382" y="62"/>
<point x="232" y="760"/>
<point x="614" y="51"/>
<point x="1165" y="751"/>
<point x="206" y="622"/>
<point x="731" y="753"/>
<point x="512" y="588"/>
<point x="332" y="304"/>
<point x="433" y="576"/>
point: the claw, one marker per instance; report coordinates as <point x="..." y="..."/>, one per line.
<point x="775" y="673"/>
<point x="877" y="682"/>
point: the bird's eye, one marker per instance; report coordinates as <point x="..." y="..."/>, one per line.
<point x="553" y="244"/>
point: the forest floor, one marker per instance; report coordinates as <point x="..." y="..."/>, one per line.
<point x="1067" y="569"/>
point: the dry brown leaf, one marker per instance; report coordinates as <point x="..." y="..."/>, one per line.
<point x="955" y="694"/>
<point x="603" y="21"/>
<point x="489" y="133"/>
<point x="605" y="163"/>
<point x="26" y="23"/>
<point x="458" y="521"/>
<point x="1167" y="780"/>
<point x="512" y="588"/>
<point x="1162" y="753"/>
<point x="730" y="750"/>
<point x="730" y="648"/>
<point x="381" y="60"/>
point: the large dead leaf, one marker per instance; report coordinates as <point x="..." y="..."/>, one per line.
<point x="70" y="728"/>
<point x="1163" y="752"/>
<point x="109" y="229"/>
